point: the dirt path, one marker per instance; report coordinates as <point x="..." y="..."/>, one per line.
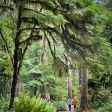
<point x="72" y="109"/>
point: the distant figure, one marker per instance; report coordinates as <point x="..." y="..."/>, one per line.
<point x="74" y="103"/>
<point x="69" y="103"/>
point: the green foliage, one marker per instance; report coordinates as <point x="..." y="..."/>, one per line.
<point x="101" y="63"/>
<point x="31" y="70"/>
<point x="4" y="104"/>
<point x="0" y="103"/>
<point x="26" y="103"/>
<point x="60" y="105"/>
<point x="99" y="97"/>
<point x="96" y="104"/>
<point x="106" y="108"/>
<point x="58" y="93"/>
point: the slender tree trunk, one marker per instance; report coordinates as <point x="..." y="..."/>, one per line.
<point x="16" y="62"/>
<point x="84" y="99"/>
<point x="44" y="59"/>
<point x="5" y="85"/>
<point x="79" y="76"/>
<point x="69" y="80"/>
<point x="69" y="87"/>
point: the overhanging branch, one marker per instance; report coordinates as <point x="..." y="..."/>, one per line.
<point x="25" y="48"/>
<point x="6" y="45"/>
<point x="6" y="7"/>
<point x="49" y="44"/>
<point x="26" y="9"/>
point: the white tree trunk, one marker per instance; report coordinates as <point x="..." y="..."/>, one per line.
<point x="69" y="78"/>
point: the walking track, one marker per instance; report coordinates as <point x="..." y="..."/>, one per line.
<point x="67" y="110"/>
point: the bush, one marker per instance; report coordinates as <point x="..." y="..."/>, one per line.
<point x="100" y="99"/>
<point x="60" y="105"/>
<point x="25" y="103"/>
<point x="107" y="108"/>
<point x="4" y="102"/>
<point x="96" y="104"/>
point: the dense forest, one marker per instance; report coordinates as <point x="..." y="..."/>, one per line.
<point x="52" y="50"/>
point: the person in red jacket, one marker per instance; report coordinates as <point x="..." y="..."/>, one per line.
<point x="74" y="103"/>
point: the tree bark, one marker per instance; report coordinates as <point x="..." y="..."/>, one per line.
<point x="44" y="59"/>
<point x="69" y="87"/>
<point x="84" y="98"/>
<point x="110" y="2"/>
<point x="79" y="76"/>
<point x="16" y="61"/>
<point x="69" y="80"/>
<point x="20" y="86"/>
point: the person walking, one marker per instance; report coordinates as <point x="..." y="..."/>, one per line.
<point x="69" y="103"/>
<point x="74" y="103"/>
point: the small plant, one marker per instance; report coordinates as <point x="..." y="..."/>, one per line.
<point x="4" y="102"/>
<point x="26" y="103"/>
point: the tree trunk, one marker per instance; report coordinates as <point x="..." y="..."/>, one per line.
<point x="15" y="58"/>
<point x="69" y="80"/>
<point x="69" y="87"/>
<point x="84" y="99"/>
<point x="79" y="75"/>
<point x="44" y="59"/>
<point x="110" y="2"/>
<point x="20" y="86"/>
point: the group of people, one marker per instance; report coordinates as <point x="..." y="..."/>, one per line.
<point x="70" y="102"/>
